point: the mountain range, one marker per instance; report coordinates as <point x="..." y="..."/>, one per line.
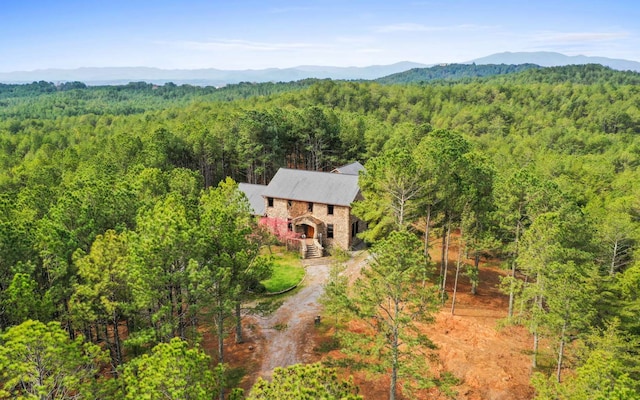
<point x="217" y="77"/>
<point x="551" y="59"/>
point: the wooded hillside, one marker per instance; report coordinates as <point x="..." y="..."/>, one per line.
<point x="108" y="196"/>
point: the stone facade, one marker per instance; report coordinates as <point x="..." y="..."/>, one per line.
<point x="315" y="221"/>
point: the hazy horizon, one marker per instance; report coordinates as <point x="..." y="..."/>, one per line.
<point x="199" y="34"/>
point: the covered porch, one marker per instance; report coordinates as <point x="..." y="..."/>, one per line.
<point x="311" y="231"/>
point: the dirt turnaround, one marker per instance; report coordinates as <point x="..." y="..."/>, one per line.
<point x="490" y="362"/>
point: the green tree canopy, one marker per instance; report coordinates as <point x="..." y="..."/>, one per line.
<point x="171" y="371"/>
<point x="39" y="361"/>
<point x="304" y="382"/>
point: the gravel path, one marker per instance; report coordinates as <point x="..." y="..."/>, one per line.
<point x="286" y="330"/>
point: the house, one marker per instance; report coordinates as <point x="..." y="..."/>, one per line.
<point x="349" y="169"/>
<point x="254" y="195"/>
<point x="315" y="206"/>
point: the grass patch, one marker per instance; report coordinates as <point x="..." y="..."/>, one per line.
<point x="267" y="307"/>
<point x="327" y="345"/>
<point x="280" y="327"/>
<point x="339" y="255"/>
<point x="546" y="362"/>
<point x="287" y="272"/>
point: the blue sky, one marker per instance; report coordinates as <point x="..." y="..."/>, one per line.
<point x="236" y="34"/>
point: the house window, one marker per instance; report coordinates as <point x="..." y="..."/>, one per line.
<point x="289" y="203"/>
<point x="330" y="209"/>
<point x="329" y="231"/>
<point x="289" y="225"/>
<point x="354" y="229"/>
<point x="310" y="207"/>
<point x="270" y="201"/>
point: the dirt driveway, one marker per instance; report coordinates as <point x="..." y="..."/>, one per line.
<point x="287" y="332"/>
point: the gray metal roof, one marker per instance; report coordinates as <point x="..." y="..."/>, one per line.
<point x="350" y="169"/>
<point x="313" y="186"/>
<point x="254" y="194"/>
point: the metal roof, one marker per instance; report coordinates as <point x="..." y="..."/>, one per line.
<point x="254" y="194"/>
<point x="313" y="186"/>
<point x="350" y="169"/>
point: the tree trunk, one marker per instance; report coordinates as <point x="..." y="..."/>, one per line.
<point x="238" y="322"/>
<point x="512" y="289"/>
<point x="476" y="267"/>
<point x="116" y="341"/>
<point x="401" y="212"/>
<point x="427" y="226"/>
<point x="455" y="283"/>
<point x="394" y="376"/>
<point x="534" y="359"/>
<point x="394" y="357"/>
<point x="220" y="327"/>
<point x="183" y="309"/>
<point x="513" y="270"/>
<point x="97" y="328"/>
<point x="561" y="351"/>
<point x="612" y="268"/>
<point x="130" y="326"/>
<point x="172" y="308"/>
<point x="442" y="252"/>
<point x="446" y="259"/>
<point x="110" y="348"/>
<point x="68" y="325"/>
<point x="455" y="286"/>
<point x="536" y="338"/>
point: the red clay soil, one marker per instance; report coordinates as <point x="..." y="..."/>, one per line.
<point x="490" y="362"/>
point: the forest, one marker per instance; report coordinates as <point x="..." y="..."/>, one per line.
<point x="122" y="228"/>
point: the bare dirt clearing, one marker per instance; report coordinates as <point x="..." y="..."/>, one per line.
<point x="491" y="363"/>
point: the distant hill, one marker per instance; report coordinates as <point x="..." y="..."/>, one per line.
<point x="584" y="74"/>
<point x="551" y="59"/>
<point x="201" y="77"/>
<point x="453" y="72"/>
<point x="402" y="72"/>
